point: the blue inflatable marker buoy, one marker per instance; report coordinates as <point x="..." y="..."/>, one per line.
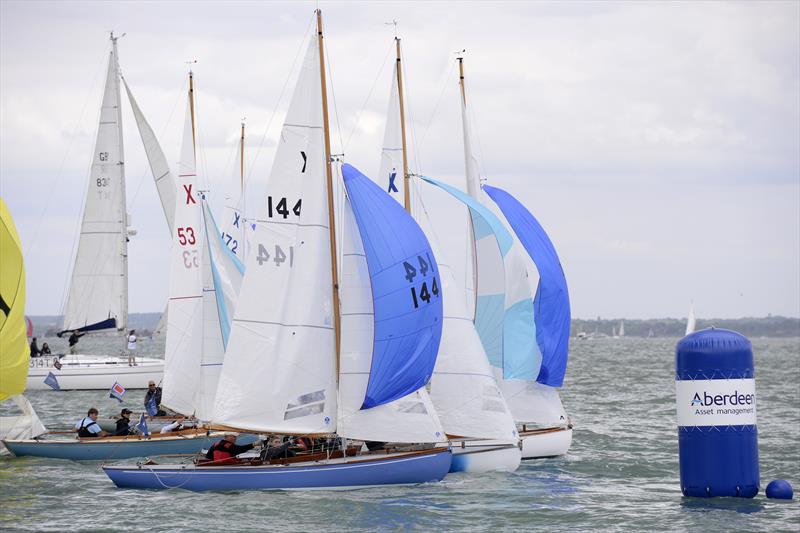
<point x="716" y="401"/>
<point x="780" y="489"/>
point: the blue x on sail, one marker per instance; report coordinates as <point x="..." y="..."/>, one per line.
<point x="406" y="293"/>
<point x="551" y="302"/>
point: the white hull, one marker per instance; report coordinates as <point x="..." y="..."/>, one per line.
<point x="87" y="372"/>
<point x="481" y="455"/>
<point x="549" y="442"/>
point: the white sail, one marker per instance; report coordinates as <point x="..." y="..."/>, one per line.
<point x="279" y="373"/>
<point x="409" y="419"/>
<point x="621" y="331"/>
<point x="488" y="268"/>
<point x="690" y="321"/>
<point x="99" y="285"/>
<point x="23" y="426"/>
<point x="185" y="310"/>
<point x="234" y="227"/>
<point x="390" y="177"/>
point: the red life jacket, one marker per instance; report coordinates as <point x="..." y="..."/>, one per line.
<point x="221" y="451"/>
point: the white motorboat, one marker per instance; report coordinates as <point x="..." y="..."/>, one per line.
<point x="86" y="372"/>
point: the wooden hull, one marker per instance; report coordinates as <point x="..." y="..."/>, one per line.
<point x="340" y="473"/>
<point x="90" y="372"/>
<point x="543" y="443"/>
<point x="101" y="449"/>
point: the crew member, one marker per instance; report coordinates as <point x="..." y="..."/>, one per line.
<point x="124" y="423"/>
<point x="88" y="426"/>
<point x="227" y="448"/>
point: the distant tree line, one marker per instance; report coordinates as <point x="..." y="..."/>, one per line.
<point x="770" y="326"/>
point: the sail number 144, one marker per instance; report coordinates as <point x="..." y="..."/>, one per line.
<point x="424" y="293"/>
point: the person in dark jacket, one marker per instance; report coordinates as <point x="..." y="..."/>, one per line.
<point x="154" y="392"/>
<point x="45" y="350"/>
<point x="123" y="423"/>
<point x="73" y="341"/>
<point x="35" y="352"/>
<point x="227" y="448"/>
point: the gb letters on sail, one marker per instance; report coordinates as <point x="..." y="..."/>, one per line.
<point x="98" y="294"/>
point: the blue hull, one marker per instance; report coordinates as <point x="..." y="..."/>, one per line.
<point x="123" y="449"/>
<point x="408" y="469"/>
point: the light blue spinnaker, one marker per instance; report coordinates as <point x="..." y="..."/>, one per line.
<point x="551" y="303"/>
<point x="406" y="294"/>
<point x="503" y="316"/>
<point x="227" y="272"/>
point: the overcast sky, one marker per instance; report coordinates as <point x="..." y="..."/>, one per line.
<point x="658" y="143"/>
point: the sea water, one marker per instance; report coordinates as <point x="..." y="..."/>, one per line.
<point x="620" y="474"/>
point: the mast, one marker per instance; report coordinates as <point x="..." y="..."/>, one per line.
<point x="329" y="174"/>
<point x="473" y="256"/>
<point x="191" y="108"/>
<point x="406" y="177"/>
<point x="242" y="196"/>
<point x="121" y="163"/>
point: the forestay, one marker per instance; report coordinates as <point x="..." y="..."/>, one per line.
<point x="504" y="318"/>
<point x="165" y="181"/>
<point x="551" y="302"/>
<point x="185" y="310"/>
<point x="411" y="418"/>
<point x="98" y="294"/>
<point x="405" y="287"/>
<point x="279" y="373"/>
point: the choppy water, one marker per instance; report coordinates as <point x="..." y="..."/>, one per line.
<point x="620" y="475"/>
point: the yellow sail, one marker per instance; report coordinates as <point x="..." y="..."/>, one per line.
<point x="14" y="349"/>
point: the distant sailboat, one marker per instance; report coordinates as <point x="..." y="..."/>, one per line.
<point x="690" y="321"/>
<point x="621" y="331"/>
<point x="98" y="292"/>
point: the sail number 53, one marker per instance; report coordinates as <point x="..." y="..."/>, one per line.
<point x="186" y="236"/>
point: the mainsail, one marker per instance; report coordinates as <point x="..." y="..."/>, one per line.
<point x="234" y="227"/>
<point x="690" y="321"/>
<point x="98" y="294"/>
<point x="185" y="309"/>
<point x="279" y="373"/>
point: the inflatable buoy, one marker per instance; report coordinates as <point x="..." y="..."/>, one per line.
<point x="716" y="403"/>
<point x="780" y="489"/>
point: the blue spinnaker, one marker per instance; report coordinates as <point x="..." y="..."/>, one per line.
<point x="504" y="321"/>
<point x="551" y="303"/>
<point x="406" y="292"/>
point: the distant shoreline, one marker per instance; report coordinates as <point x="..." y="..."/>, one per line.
<point x="770" y="326"/>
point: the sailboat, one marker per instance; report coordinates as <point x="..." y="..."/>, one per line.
<point x="98" y="293"/>
<point x="621" y="330"/>
<point x="691" y="320"/>
<point x="306" y="362"/>
<point x="463" y="387"/>
<point x="525" y="336"/>
<point x="204" y="283"/>
<point x="14" y="349"/>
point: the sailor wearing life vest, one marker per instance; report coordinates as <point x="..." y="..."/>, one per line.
<point x="88" y="426"/>
<point x="227" y="448"/>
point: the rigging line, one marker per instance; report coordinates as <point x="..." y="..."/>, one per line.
<point x="445" y="85"/>
<point x="254" y="159"/>
<point x="476" y="133"/>
<point x="333" y="95"/>
<point x="79" y="219"/>
<point x="369" y="96"/>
